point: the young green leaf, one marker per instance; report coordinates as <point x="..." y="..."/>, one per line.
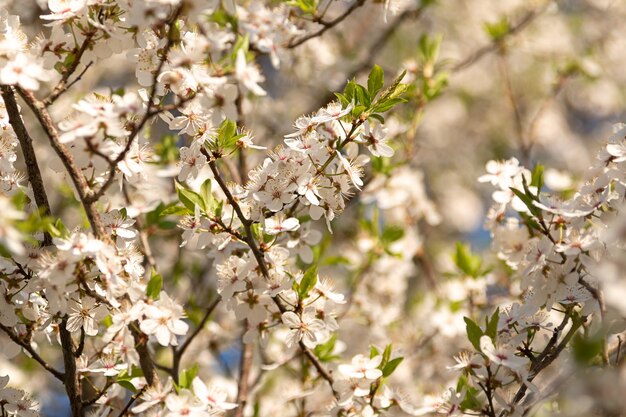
<point x="474" y="333"/>
<point x="153" y="290"/>
<point x="375" y="81"/>
<point x="308" y="282"/>
<point x="391" y="366"/>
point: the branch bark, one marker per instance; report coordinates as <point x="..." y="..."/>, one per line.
<point x="243" y="385"/>
<point x="30" y="159"/>
<point x="76" y="175"/>
<point x="71" y="379"/>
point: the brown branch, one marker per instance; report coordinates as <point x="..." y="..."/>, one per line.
<point x="317" y="364"/>
<point x="243" y="385"/>
<point x="63" y="85"/>
<point x="78" y="179"/>
<point x="251" y="242"/>
<point x="372" y="52"/>
<point x="517" y="114"/>
<point x="71" y="380"/>
<point x="132" y="401"/>
<point x="326" y="25"/>
<point x="30" y="159"/>
<point x="244" y="220"/>
<point x="145" y="359"/>
<point x="484" y="50"/>
<point x="33" y="353"/>
<point x="549" y="354"/>
<point x="180" y="351"/>
<point x="100" y="393"/>
<point x="147" y="115"/>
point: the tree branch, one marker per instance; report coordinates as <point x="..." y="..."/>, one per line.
<point x="63" y="85"/>
<point x="145" y="359"/>
<point x="326" y="25"/>
<point x="78" y="179"/>
<point x="33" y="353"/>
<point x="180" y="351"/>
<point x="251" y="242"/>
<point x="243" y="385"/>
<point x="484" y="50"/>
<point x="71" y="380"/>
<point x="30" y="159"/>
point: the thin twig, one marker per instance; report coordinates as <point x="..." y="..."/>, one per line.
<point x="517" y="114"/>
<point x="326" y="25"/>
<point x="147" y="115"/>
<point x="252" y="244"/>
<point x="372" y="52"/>
<point x="51" y="99"/>
<point x="484" y="50"/>
<point x="33" y="353"/>
<point x="131" y="401"/>
<point x="62" y="86"/>
<point x="110" y="382"/>
<point x="180" y="351"/>
<point x="145" y="359"/>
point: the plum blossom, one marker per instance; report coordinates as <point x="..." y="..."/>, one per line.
<point x="248" y="74"/>
<point x="501" y="355"/>
<point x="306" y="328"/>
<point x="164" y="320"/>
<point x="279" y="224"/>
<point x="213" y="396"/>
<point x="86" y="314"/>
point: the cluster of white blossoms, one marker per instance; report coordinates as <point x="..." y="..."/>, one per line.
<point x="144" y="223"/>
<point x="555" y="246"/>
<point x="15" y="402"/>
<point x="91" y="293"/>
<point x="19" y="65"/>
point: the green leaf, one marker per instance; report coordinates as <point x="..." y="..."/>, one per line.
<point x="374" y="351"/>
<point x="174" y="210"/>
<point x="124" y="378"/>
<point x="350" y="91"/>
<point x="307" y="6"/>
<point x="528" y="202"/>
<point x="378" y="117"/>
<point x="324" y="352"/>
<point x="342" y="99"/>
<point x="386" y="355"/>
<point x="58" y="229"/>
<point x="498" y="30"/>
<point x="474" y="332"/>
<point x="153" y="289"/>
<point x="187" y="376"/>
<point x="586" y="348"/>
<point x="492" y="325"/>
<point x="387" y="105"/>
<point x="363" y="96"/>
<point x="308" y="282"/>
<point x="191" y="199"/>
<point x="537" y="177"/>
<point x="375" y="81"/>
<point x="470" y="402"/>
<point x="127" y="384"/>
<point x="392" y="234"/>
<point x="205" y="193"/>
<point x="467" y="262"/>
<point x="391" y="366"/>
